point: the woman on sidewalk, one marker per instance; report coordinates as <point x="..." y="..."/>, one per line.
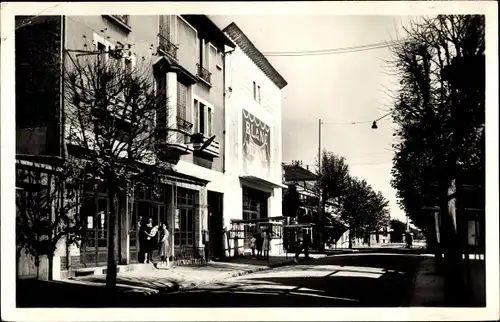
<point x="150" y="232"/>
<point x="266" y="245"/>
<point x="164" y="246"/>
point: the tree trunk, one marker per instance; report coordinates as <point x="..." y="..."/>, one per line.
<point x="453" y="262"/>
<point x="350" y="238"/>
<point x="112" y="269"/>
<point x="50" y="258"/>
<point x="434" y="242"/>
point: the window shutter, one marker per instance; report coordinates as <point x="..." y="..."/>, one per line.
<point x="196" y="117"/>
<point x="202" y="121"/>
<point x="181" y="100"/>
<point x="209" y="121"/>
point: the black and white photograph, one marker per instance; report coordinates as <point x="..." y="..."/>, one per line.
<point x="249" y="160"/>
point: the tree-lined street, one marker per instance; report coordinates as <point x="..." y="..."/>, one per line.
<point x="361" y="280"/>
<point x="373" y="277"/>
<point x="168" y="188"/>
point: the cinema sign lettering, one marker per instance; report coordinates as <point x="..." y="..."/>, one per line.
<point x="256" y="145"/>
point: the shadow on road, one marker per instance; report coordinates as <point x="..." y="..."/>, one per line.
<point x="343" y="281"/>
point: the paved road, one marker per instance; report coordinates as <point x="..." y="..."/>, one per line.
<point x="355" y="280"/>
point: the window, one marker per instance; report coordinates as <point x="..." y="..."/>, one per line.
<point x="256" y="92"/>
<point x="128" y="64"/>
<point x="209" y="122"/>
<point x="203" y="118"/>
<point x="201" y="112"/>
<point x="204" y="55"/>
<point x="184" y="234"/>
<point x="181" y="100"/>
<point x="102" y="49"/>
<point x="204" y="60"/>
<point x="212" y="57"/>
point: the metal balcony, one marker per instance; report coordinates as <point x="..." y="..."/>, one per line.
<point x="184" y="125"/>
<point x="166" y="47"/>
<point x="122" y="18"/>
<point x="204" y="74"/>
<point x="212" y="150"/>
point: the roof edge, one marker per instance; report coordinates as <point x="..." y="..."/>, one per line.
<point x="260" y="61"/>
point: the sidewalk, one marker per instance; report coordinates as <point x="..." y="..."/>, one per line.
<point x="428" y="285"/>
<point x="152" y="281"/>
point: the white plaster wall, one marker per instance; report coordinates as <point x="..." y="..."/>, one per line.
<point x="241" y="72"/>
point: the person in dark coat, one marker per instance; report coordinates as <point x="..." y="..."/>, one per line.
<point x="142" y="240"/>
<point x="259" y="242"/>
<point x="304" y="246"/>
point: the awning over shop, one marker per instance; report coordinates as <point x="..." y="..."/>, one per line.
<point x="297" y="173"/>
<point x="258" y="220"/>
<point x="260" y="181"/>
<point x="175" y="177"/>
<point x="300" y="225"/>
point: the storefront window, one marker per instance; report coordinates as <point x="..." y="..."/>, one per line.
<point x="185" y="227"/>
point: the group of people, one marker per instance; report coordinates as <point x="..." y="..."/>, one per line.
<point x="148" y="242"/>
<point x="261" y="243"/>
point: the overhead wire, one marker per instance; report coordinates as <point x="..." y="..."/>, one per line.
<point x="340" y="50"/>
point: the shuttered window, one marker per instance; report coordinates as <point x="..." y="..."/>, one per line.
<point x="181" y="101"/>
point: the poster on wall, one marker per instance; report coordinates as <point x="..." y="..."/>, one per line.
<point x="176" y="219"/>
<point x="256" y="146"/>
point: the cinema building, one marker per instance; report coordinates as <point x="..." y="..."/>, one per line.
<point x="253" y="194"/>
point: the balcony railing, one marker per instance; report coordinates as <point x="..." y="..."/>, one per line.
<point x="204" y="74"/>
<point x="167" y="47"/>
<point x="184" y="125"/>
<point x="123" y="21"/>
<point x="122" y="18"/>
<point x="213" y="149"/>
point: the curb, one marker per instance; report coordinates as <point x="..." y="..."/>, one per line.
<point x="234" y="274"/>
<point x="242" y="273"/>
<point x="189" y="284"/>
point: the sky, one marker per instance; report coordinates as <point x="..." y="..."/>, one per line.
<point x="338" y="88"/>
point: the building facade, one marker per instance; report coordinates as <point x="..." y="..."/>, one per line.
<point x="186" y="54"/>
<point x="253" y="135"/>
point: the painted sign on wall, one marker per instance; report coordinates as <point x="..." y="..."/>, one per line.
<point x="256" y="146"/>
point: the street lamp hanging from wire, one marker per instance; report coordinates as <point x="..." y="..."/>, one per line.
<point x="374" y="124"/>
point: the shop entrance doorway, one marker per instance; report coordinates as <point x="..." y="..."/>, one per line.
<point x="215" y="222"/>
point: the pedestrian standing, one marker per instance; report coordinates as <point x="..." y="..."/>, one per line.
<point x="253" y="241"/>
<point x="259" y="241"/>
<point x="304" y="245"/>
<point x="409" y="239"/>
<point x="142" y="240"/>
<point x="266" y="244"/>
<point x="150" y="233"/>
<point x="164" y="246"/>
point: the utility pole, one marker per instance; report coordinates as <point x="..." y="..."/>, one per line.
<point x="320" y="192"/>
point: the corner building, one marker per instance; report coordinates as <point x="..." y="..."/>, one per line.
<point x="253" y="153"/>
<point x="187" y="56"/>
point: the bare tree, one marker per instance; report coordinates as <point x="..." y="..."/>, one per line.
<point x="117" y="119"/>
<point x="47" y="209"/>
